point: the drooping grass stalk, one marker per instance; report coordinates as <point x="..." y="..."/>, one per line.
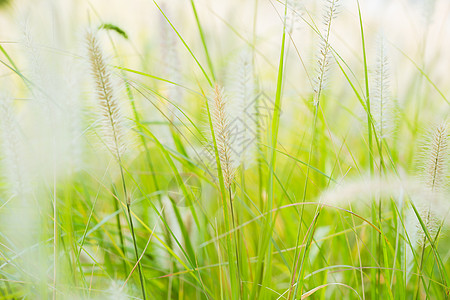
<point x="112" y="125"/>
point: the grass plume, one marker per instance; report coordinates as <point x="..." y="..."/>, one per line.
<point x="436" y="156"/>
<point x="111" y="117"/>
<point x="221" y="124"/>
<point x="323" y="58"/>
<point x="112" y="125"/>
<point x="382" y="108"/>
<point x="292" y="198"/>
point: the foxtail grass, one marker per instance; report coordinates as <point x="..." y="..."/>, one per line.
<point x="435" y="177"/>
<point x="112" y="125"/>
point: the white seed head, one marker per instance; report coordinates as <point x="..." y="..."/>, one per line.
<point x="382" y="110"/>
<point x="324" y="55"/>
<point x="117" y="291"/>
<point x="224" y="139"/>
<point x="241" y="104"/>
<point x="12" y="149"/>
<point x="294" y="15"/>
<point x="111" y="117"/>
<point x="363" y="191"/>
<point x="171" y="65"/>
<point x="435" y="154"/>
<point x="434" y="179"/>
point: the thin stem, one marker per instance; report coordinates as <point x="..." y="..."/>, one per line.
<point x="131" y="226"/>
<point x="421" y="262"/>
<point x="235" y="243"/>
<point x="119" y="228"/>
<point x="135" y="251"/>
<point x="420" y="269"/>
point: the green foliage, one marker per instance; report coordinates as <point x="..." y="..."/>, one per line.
<point x="325" y="207"/>
<point x="115" y="28"/>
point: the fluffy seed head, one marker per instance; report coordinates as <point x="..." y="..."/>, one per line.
<point x="436" y="154"/>
<point x="111" y="116"/>
<point x="434" y="179"/>
<point x="431" y="205"/>
<point x="382" y="108"/>
<point x="429" y="218"/>
<point x="117" y="291"/>
<point x="323" y="57"/>
<point x="241" y="105"/>
<point x="12" y="148"/>
<point x="294" y="14"/>
<point x="224" y="139"/>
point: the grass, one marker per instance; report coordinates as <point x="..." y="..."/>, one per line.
<point x="146" y="181"/>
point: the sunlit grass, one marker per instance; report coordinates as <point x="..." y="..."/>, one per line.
<point x="260" y="150"/>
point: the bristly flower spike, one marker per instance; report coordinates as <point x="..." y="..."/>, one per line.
<point x="221" y="126"/>
<point x="112" y="121"/>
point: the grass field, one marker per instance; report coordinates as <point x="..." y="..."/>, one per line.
<point x="261" y="149"/>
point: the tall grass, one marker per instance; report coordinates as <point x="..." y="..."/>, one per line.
<point x="238" y="150"/>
